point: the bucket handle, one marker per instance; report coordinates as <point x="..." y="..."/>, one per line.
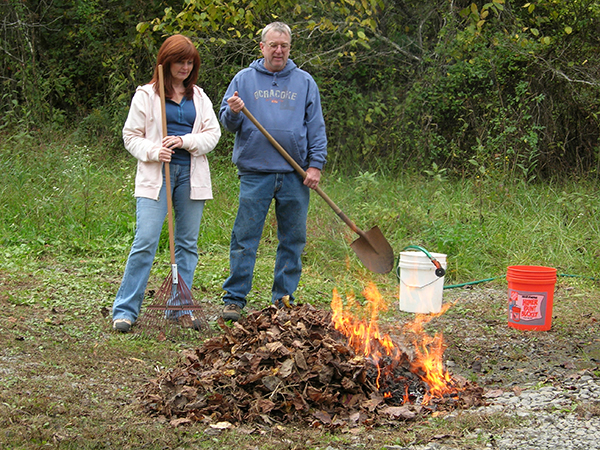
<point x="439" y="270"/>
<point x="418" y="287"/>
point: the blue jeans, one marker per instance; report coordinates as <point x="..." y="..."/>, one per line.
<point x="150" y="216"/>
<point x="291" y="208"/>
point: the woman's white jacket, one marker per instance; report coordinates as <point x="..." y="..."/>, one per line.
<point x="142" y="135"/>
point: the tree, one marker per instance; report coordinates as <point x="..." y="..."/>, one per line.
<point x="505" y="87"/>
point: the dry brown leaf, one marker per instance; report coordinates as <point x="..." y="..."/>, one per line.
<point x="398" y="412"/>
<point x="273" y="347"/>
<point x="322" y="416"/>
<point x="300" y="360"/>
<point x="178" y="422"/>
<point x="221" y="425"/>
<point x="494" y="393"/>
<point x="271" y="382"/>
<point x="286" y="368"/>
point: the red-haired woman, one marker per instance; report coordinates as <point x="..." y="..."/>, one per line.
<point x="192" y="131"/>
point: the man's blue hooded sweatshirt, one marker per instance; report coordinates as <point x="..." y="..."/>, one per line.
<point x="287" y="104"/>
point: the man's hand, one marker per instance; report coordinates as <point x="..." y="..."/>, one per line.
<point x="236" y="104"/>
<point x="313" y="176"/>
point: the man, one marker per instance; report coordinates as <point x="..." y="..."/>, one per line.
<point x="286" y="101"/>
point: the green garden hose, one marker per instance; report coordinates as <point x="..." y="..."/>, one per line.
<point x="440" y="272"/>
<point x="504" y="276"/>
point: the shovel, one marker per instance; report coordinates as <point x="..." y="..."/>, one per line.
<point x="371" y="247"/>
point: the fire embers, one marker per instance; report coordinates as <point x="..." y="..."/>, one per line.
<point x="286" y="365"/>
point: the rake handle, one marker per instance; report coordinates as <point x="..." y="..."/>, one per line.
<point x="301" y="171"/>
<point x="161" y="88"/>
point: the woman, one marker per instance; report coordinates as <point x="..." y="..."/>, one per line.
<point x="192" y="131"/>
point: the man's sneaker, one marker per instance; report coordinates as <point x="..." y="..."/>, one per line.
<point x="284" y="302"/>
<point x="190" y="321"/>
<point x="232" y="312"/>
<point x="122" y="325"/>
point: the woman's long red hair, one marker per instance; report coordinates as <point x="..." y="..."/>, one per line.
<point x="177" y="48"/>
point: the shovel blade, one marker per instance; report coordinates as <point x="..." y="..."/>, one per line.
<point x="374" y="251"/>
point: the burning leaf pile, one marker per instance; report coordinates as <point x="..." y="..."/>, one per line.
<point x="290" y="365"/>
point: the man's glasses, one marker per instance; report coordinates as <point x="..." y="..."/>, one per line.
<point x="273" y="45"/>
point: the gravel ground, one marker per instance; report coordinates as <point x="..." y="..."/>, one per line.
<point x="539" y="379"/>
<point x="547" y="417"/>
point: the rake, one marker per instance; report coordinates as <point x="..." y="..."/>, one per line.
<point x="173" y="310"/>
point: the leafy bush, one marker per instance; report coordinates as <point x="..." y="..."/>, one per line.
<point x="500" y="90"/>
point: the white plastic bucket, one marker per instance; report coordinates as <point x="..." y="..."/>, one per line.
<point x="421" y="289"/>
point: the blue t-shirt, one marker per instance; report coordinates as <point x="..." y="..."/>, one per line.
<point x="180" y="121"/>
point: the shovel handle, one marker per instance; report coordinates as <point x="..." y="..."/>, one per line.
<point x="301" y="171"/>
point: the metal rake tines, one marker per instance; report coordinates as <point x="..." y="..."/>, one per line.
<point x="173" y="311"/>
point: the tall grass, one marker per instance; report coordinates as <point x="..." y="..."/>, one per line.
<point x="62" y="200"/>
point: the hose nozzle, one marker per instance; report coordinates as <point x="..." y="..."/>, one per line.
<point x="439" y="270"/>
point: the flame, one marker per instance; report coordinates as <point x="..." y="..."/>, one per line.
<point x="429" y="352"/>
<point x="364" y="336"/>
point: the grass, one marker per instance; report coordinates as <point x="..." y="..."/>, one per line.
<point x="67" y="217"/>
<point x="77" y="200"/>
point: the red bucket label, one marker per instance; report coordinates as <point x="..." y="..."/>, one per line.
<point x="528" y="307"/>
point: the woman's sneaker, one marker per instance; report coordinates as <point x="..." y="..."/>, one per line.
<point x="232" y="312"/>
<point x="122" y="325"/>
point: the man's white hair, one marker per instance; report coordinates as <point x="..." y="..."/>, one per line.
<point x="280" y="27"/>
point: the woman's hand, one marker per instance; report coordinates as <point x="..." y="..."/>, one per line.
<point x="164" y="154"/>
<point x="172" y="142"/>
<point x="168" y="144"/>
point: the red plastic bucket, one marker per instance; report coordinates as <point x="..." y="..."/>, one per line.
<point x="530" y="297"/>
